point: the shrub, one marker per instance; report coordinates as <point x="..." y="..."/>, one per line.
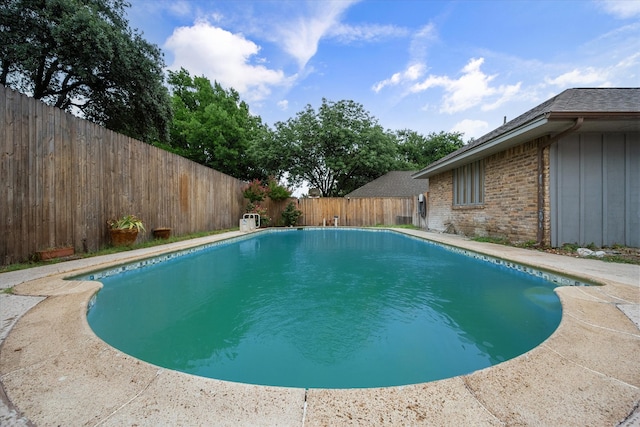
<point x="255" y="191"/>
<point x="291" y="215"/>
<point x="278" y="192"/>
<point x="256" y="208"/>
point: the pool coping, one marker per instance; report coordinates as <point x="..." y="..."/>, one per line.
<point x="56" y="371"/>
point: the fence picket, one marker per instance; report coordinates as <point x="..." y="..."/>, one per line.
<point x="63" y="178"/>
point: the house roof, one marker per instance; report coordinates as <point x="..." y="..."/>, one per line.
<point x="393" y="184"/>
<point x="602" y="109"/>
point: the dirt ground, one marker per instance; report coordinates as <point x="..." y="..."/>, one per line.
<point x="618" y="254"/>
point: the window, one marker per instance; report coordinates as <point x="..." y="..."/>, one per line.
<point x="468" y="184"/>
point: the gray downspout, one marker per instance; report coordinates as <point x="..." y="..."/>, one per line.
<point x="541" y="217"/>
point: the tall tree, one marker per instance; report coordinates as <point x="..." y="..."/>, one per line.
<point x="81" y="56"/>
<point x="213" y="127"/>
<point x="417" y="151"/>
<point x="336" y="149"/>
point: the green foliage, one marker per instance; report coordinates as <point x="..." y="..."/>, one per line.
<point x="416" y="151"/>
<point x="276" y="191"/>
<point x="619" y="259"/>
<point x="488" y="239"/>
<point x="336" y="149"/>
<point x="255" y="191"/>
<point x="213" y="127"/>
<point x="81" y="56"/>
<point x="127" y="222"/>
<point x="291" y="215"/>
<point x="256" y="208"/>
<point x="341" y="147"/>
<point x="570" y="247"/>
<point x="528" y="244"/>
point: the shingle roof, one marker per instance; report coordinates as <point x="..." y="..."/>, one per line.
<point x="393" y="184"/>
<point x="594" y="101"/>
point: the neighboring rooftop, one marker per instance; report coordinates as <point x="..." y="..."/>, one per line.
<point x="393" y="184"/>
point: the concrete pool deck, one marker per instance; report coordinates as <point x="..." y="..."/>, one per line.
<point x="55" y="371"/>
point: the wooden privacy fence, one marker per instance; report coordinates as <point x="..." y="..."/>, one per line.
<point x="62" y="178"/>
<point x="355" y="212"/>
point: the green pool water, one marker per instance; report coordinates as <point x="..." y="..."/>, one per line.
<point x="325" y="308"/>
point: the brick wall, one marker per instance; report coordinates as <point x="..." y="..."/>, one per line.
<point x="510" y="207"/>
<point x="439" y="215"/>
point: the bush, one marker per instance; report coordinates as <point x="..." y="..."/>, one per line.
<point x="255" y="191"/>
<point x="291" y="215"/>
<point x="255" y="208"/>
<point x="278" y="192"/>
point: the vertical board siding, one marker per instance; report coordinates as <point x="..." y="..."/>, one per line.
<point x="632" y="190"/>
<point x="63" y="178"/>
<point x="356" y="212"/>
<point x="594" y="189"/>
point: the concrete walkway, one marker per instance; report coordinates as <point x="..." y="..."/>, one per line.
<point x="55" y="371"/>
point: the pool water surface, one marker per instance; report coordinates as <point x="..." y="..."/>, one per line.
<point x="325" y="308"/>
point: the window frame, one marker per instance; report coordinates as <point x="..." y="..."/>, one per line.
<point x="468" y="184"/>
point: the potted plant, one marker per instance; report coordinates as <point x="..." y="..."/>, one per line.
<point x="161" y="232"/>
<point x="124" y="231"/>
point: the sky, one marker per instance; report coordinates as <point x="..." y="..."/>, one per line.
<point x="423" y="65"/>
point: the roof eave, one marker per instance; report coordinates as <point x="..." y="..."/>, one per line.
<point x="507" y="139"/>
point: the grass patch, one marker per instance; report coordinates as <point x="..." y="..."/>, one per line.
<point x="619" y="259"/>
<point x="496" y="240"/>
<point x="113" y="250"/>
<point x="570" y="247"/>
<point x="7" y="291"/>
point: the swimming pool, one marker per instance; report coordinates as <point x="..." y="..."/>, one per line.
<point x="329" y="308"/>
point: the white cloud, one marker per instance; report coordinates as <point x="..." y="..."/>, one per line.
<point x="412" y="73"/>
<point x="508" y="93"/>
<point x="300" y="36"/>
<point x="416" y="68"/>
<point x="630" y="63"/>
<point x="471" y="128"/>
<point x="283" y="105"/>
<point x="365" y="33"/>
<point x="470" y="90"/>
<point x="222" y="56"/>
<point x="588" y="76"/>
<point x="421" y="41"/>
<point x="180" y="8"/>
<point x="624" y="70"/>
<point x="621" y="8"/>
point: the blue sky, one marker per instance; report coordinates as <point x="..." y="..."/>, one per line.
<point x="429" y="66"/>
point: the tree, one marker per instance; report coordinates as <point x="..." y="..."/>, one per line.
<point x="213" y="127"/>
<point x="337" y="149"/>
<point x="81" y="56"/>
<point x="417" y="151"/>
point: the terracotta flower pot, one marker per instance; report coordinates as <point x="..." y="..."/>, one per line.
<point x="48" y="254"/>
<point x="161" y="232"/>
<point x="123" y="237"/>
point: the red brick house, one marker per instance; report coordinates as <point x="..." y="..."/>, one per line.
<point x="567" y="171"/>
